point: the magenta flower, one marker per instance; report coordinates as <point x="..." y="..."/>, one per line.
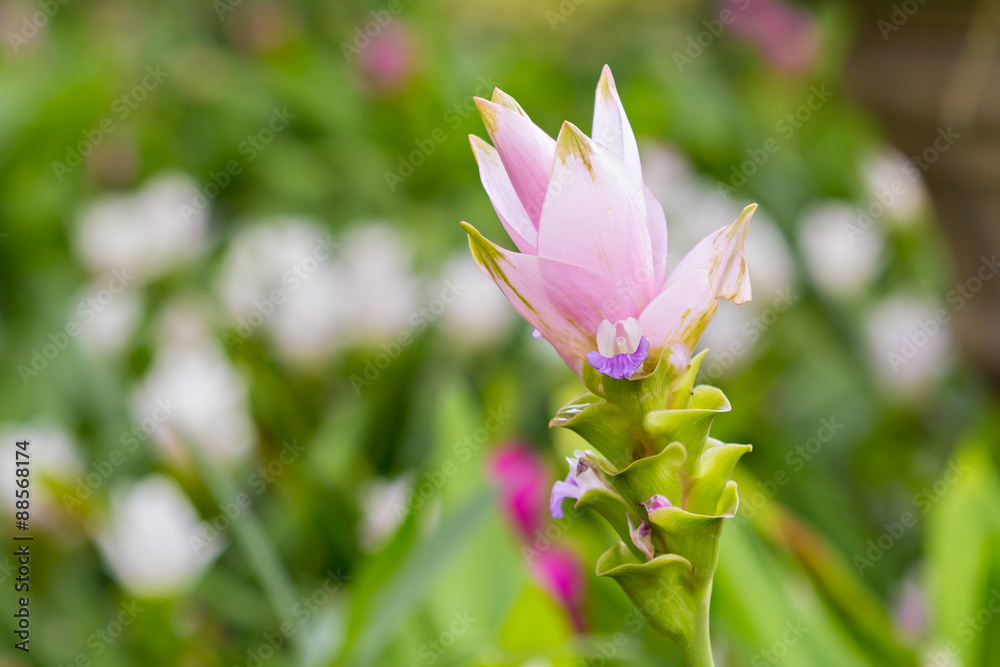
<point x="521" y="479"/>
<point x="656" y="502"/>
<point x="591" y="272"/>
<point x="560" y="573"/>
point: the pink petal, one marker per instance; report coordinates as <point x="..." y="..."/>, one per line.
<point x="722" y="254"/>
<point x="657" y="239"/>
<point x="565" y="303"/>
<point x="680" y="313"/>
<point x="714" y="269"/>
<point x="611" y="127"/>
<point x="526" y="151"/>
<point x="595" y="216"/>
<point x="505" y="201"/>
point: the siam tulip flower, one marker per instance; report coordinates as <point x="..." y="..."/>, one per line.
<point x="591" y="272"/>
<point x="591" y="278"/>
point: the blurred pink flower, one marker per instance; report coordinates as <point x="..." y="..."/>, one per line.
<point x="560" y="573"/>
<point x="521" y="478"/>
<point x="786" y="35"/>
<point x="389" y="59"/>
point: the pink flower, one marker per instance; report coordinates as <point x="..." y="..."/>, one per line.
<point x="591" y="272"/>
<point x="561" y="575"/>
<point x="522" y="481"/>
<point x="785" y="35"/>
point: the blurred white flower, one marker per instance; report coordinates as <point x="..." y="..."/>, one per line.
<point x="55" y="459"/>
<point x="895" y="186"/>
<point x="909" y="343"/>
<point x="211" y="399"/>
<point x="154" y="542"/>
<point x="282" y="276"/>
<point x="385" y="503"/>
<point x="480" y="316"/>
<point x="381" y="290"/>
<point x="107" y="319"/>
<point x="146" y="233"/>
<point x="842" y="258"/>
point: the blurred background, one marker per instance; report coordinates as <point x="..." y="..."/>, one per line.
<point x="277" y="416"/>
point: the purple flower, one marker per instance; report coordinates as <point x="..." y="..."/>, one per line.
<point x="580" y="479"/>
<point x="621" y="348"/>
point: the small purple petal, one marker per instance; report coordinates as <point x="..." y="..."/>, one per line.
<point x="535" y="333"/>
<point x="620" y="366"/>
<point x="562" y="490"/>
<point x="656" y="502"/>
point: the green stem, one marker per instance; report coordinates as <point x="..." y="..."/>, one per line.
<point x="697" y="650"/>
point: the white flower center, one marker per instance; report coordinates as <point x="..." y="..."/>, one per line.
<point x="622" y="337"/>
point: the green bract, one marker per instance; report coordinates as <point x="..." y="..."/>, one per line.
<point x="653" y="435"/>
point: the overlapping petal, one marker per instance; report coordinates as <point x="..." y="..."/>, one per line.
<point x="611" y="127"/>
<point x="565" y="303"/>
<point x="526" y="151"/>
<point x="505" y="201"/>
<point x="657" y="222"/>
<point x="594" y="216"/>
<point x="713" y="269"/>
